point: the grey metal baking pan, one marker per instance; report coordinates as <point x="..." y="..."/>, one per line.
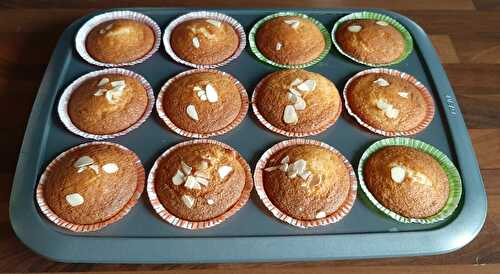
<point x="252" y="234"/>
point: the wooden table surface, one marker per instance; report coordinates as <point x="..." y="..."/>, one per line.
<point x="466" y="34"/>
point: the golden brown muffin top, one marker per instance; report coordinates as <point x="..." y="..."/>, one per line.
<point x="387" y="102"/>
<point x="306" y="182"/>
<point x="202" y="102"/>
<point x="107" y="104"/>
<point x="290" y="40"/>
<point x="120" y="41"/>
<point x="371" y="41"/>
<point x="204" y="41"/>
<point x="297" y="100"/>
<point x="407" y="181"/>
<point x="91" y="184"/>
<point x="199" y="182"/>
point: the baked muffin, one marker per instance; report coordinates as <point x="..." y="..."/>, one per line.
<point x="297" y="102"/>
<point x="370" y="41"/>
<point x="387" y="102"/>
<point x="203" y="102"/>
<point x="200" y="181"/>
<point x="204" y="41"/>
<point x="92" y="183"/>
<point x="120" y="41"/>
<point x="406" y="181"/>
<point x="306" y="182"/>
<point x="290" y="40"/>
<point x="107" y="104"/>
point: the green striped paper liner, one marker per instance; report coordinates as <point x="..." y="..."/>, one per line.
<point x="447" y="165"/>
<point x="263" y="58"/>
<point x="378" y="17"/>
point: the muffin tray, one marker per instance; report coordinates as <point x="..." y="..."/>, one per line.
<point x="252" y="234"/>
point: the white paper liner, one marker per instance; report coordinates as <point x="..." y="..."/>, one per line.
<point x="82" y="33"/>
<point x="62" y="108"/>
<point x="275" y="129"/>
<point x="193" y="225"/>
<point x="334" y="217"/>
<point x="180" y="131"/>
<point x="204" y="15"/>
<point x="141" y="177"/>
<point x="430" y="107"/>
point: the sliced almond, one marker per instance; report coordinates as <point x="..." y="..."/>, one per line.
<point x="192" y="183"/>
<point x="290" y="115"/>
<point x="206" y="33"/>
<point x="83" y="161"/>
<point x="185" y="168"/>
<point x="214" y="22"/>
<point x="95" y="168"/>
<point x="421" y="179"/>
<point x="178" y="178"/>
<point x="118" y="83"/>
<point x="188" y="200"/>
<point x="196" y="42"/>
<point x="103" y="82"/>
<point x="197" y="88"/>
<point x="203" y="97"/>
<point x="403" y="94"/>
<point x="300" y="104"/>
<point x="382" y="23"/>
<point x="110" y="168"/>
<point x="320" y="215"/>
<point x="292" y="97"/>
<point x="212" y="95"/>
<point x="295" y="82"/>
<point x="109" y="97"/>
<point x="74" y="199"/>
<point x="285" y="159"/>
<point x="308" y="85"/>
<point x="102" y="31"/>
<point x="191" y="112"/>
<point x="284" y="167"/>
<point x="294" y="91"/>
<point x="210" y="202"/>
<point x="224" y="171"/>
<point x="108" y="27"/>
<point x="291" y="172"/>
<point x="278" y="46"/>
<point x="382" y="104"/>
<point x="398" y="174"/>
<point x="100" y="92"/>
<point x="354" y="28"/>
<point x="202" y="181"/>
<point x="392" y="113"/>
<point x="293" y="23"/>
<point x="381" y="82"/>
<point x="300" y="165"/>
<point x="81" y="169"/>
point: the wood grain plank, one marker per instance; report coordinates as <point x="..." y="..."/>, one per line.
<point x="487" y="4"/>
<point x="394" y="4"/>
<point x="445" y="49"/>
<point x="481" y="48"/>
<point x="487" y="146"/>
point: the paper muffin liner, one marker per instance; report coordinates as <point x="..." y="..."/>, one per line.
<point x="194" y="225"/>
<point x="334" y="217"/>
<point x="451" y="171"/>
<point x="241" y="115"/>
<point x="204" y="15"/>
<point x="429" y="102"/>
<point x="263" y="58"/>
<point x="62" y="108"/>
<point x="275" y="129"/>
<point x="93" y="22"/>
<point x="379" y="17"/>
<point x="141" y="178"/>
